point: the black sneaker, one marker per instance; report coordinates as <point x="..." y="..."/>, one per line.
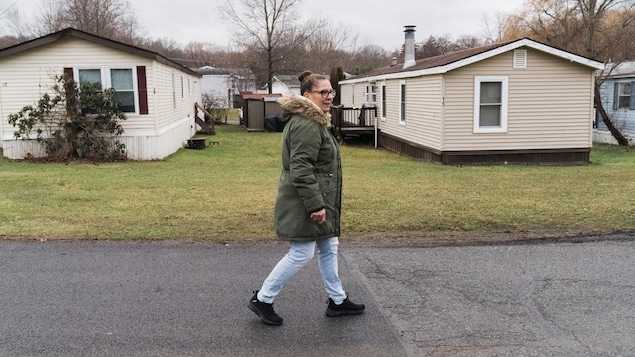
<point x="346" y="308"/>
<point x="264" y="310"/>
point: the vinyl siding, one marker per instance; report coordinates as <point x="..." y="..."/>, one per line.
<point x="424" y="111"/>
<point x="623" y="118"/>
<point x="550" y="105"/>
<point x="26" y="76"/>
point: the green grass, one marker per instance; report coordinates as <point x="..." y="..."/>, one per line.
<point x="227" y="192"/>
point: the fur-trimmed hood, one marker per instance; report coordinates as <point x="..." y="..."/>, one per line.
<point x="296" y="104"/>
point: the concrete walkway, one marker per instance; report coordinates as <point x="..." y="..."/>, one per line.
<point x="189" y="299"/>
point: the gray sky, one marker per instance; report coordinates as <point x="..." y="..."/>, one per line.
<point x="378" y="22"/>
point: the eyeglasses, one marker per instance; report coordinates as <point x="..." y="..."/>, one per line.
<point x="325" y="93"/>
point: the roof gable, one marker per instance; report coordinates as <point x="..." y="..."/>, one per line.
<point x="453" y="60"/>
<point x="71" y="32"/>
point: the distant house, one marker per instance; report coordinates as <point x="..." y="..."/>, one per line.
<point x="518" y="101"/>
<point x="157" y="94"/>
<point x="226" y="83"/>
<point x="282" y="84"/>
<point x="285" y="83"/>
<point x="618" y="99"/>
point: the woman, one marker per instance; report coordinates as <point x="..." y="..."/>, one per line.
<point x="307" y="212"/>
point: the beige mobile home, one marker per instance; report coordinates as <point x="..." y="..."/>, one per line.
<point x="519" y="101"/>
<point x="159" y="94"/>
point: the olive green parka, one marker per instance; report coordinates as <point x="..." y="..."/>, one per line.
<point x="311" y="177"/>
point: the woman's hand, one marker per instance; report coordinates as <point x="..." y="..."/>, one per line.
<point x="319" y="216"/>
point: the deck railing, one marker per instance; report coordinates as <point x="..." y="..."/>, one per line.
<point x="353" y="116"/>
<point x="357" y="122"/>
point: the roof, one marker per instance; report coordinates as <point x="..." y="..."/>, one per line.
<point x="621" y="70"/>
<point x="71" y="32"/>
<point x="259" y="96"/>
<point x="453" y="60"/>
<point x="240" y="73"/>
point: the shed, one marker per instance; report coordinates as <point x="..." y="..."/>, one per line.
<point x="160" y="94"/>
<point x="257" y="107"/>
<point x="516" y="101"/>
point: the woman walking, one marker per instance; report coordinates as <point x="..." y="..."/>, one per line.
<point x="307" y="211"/>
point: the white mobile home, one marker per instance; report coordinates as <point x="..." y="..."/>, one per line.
<point x="160" y="100"/>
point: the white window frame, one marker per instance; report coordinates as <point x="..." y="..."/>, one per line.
<point x="106" y="81"/>
<point x="371" y="93"/>
<point x="504" y="80"/>
<point x="620" y="95"/>
<point x="402" y="102"/>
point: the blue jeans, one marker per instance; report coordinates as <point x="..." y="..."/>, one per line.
<point x="299" y="254"/>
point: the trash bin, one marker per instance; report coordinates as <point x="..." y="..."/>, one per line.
<point x="274" y="123"/>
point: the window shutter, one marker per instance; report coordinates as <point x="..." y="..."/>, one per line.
<point x="631" y="104"/>
<point x="68" y="72"/>
<point x="616" y="95"/>
<point x="142" y="87"/>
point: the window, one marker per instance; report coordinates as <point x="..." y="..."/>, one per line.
<point x="353" y="94"/>
<point x="383" y="100"/>
<point x="624" y="97"/>
<point x="371" y="93"/>
<point x="402" y="102"/>
<point x="90" y="76"/>
<point x="123" y="80"/>
<point x="173" y="90"/>
<point x="490" y="104"/>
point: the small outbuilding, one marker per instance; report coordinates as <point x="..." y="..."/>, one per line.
<point x="157" y="95"/>
<point x="516" y="101"/>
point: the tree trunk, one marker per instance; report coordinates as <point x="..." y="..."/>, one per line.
<point x="621" y="140"/>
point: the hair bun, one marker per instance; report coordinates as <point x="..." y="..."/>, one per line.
<point x="304" y="74"/>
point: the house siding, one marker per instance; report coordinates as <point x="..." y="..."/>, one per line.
<point x="27" y="75"/>
<point x="623" y="118"/>
<point x="424" y="111"/>
<point x="549" y="106"/>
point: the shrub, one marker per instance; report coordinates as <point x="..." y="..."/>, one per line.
<point x="71" y="125"/>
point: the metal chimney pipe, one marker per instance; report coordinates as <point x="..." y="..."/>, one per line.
<point x="409" y="47"/>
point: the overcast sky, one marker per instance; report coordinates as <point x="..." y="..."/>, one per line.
<point x="378" y="22"/>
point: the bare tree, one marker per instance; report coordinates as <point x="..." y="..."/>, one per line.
<point x="112" y="19"/>
<point x="268" y="29"/>
<point x="367" y="58"/>
<point x="11" y="21"/>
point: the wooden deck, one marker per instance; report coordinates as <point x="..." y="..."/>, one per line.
<point x="354" y="123"/>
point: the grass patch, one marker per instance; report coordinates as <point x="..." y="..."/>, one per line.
<point x="227" y="192"/>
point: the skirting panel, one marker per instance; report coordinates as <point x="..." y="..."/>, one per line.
<point x="544" y="156"/>
<point x="139" y="146"/>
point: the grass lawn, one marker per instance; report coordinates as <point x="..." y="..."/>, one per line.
<point x="227" y="191"/>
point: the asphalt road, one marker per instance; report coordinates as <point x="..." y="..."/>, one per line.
<point x="189" y="299"/>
